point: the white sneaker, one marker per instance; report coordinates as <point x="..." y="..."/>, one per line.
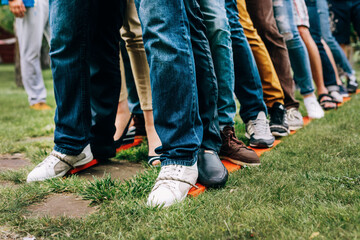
<point x="313" y="108"/>
<point x="258" y="131"/>
<point x="58" y="164"/>
<point x="294" y="118"/>
<point x="172" y="185"/>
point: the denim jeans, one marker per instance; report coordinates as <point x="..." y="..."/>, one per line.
<point x="248" y="89"/>
<point x="336" y="50"/>
<point x="315" y="31"/>
<point x="84" y="51"/>
<point x="133" y="98"/>
<point x="345" y="12"/>
<point x="219" y="36"/>
<point x="166" y="35"/>
<point x="299" y="57"/>
<point x="205" y="77"/>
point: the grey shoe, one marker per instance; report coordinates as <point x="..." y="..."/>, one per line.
<point x="258" y="131"/>
<point x="294" y="119"/>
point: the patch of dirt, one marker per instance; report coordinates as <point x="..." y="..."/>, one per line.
<point x="13" y="162"/>
<point x="8" y="184"/>
<point x="59" y="205"/>
<point x="121" y="170"/>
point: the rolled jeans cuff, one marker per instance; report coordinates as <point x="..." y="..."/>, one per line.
<point x="307" y="91"/>
<point x="185" y="162"/>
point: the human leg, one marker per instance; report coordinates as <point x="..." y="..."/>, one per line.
<point x="166" y="36"/>
<point x="334" y="46"/>
<point x="132" y="35"/>
<point x="299" y="57"/>
<point x="262" y="15"/>
<point x="30" y="31"/>
<point x="315" y="31"/>
<point x="73" y="46"/>
<point x="272" y="91"/>
<point x="248" y="87"/>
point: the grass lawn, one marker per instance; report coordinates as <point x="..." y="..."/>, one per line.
<point x="308" y="187"/>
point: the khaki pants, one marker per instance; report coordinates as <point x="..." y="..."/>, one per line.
<point x="269" y="79"/>
<point x="132" y="35"/>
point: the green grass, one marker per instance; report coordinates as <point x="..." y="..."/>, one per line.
<point x="310" y="183"/>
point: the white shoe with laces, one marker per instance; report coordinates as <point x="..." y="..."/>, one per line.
<point x="258" y="131"/>
<point x="172" y="185"/>
<point x="313" y="108"/>
<point x="294" y="118"/>
<point x="58" y="164"/>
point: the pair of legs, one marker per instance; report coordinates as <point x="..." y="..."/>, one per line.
<point x="272" y="91"/>
<point x="30" y="31"/>
<point x="262" y="16"/>
<point x="140" y="74"/>
<point x="303" y="24"/>
<point x="85" y="66"/>
<point x="299" y="57"/>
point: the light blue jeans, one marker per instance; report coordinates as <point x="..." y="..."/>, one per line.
<point x="299" y="57"/>
<point x="338" y="53"/>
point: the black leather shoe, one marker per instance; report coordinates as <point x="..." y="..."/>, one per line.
<point x="212" y="173"/>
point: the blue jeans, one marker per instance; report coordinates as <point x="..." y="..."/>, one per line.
<point x="248" y="88"/>
<point x="315" y="31"/>
<point x="205" y="77"/>
<point x="299" y="56"/>
<point x="166" y="35"/>
<point x="133" y="98"/>
<point x="338" y="53"/>
<point x="85" y="64"/>
<point x="219" y="36"/>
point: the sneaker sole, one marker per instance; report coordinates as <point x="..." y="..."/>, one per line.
<point x="237" y="162"/>
<point x="260" y="144"/>
<point x="294" y="128"/>
<point x="277" y="134"/>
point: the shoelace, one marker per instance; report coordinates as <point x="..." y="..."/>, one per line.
<point x="291" y="114"/>
<point x="170" y="174"/>
<point x="260" y="126"/>
<point x="232" y="138"/>
<point x="48" y="160"/>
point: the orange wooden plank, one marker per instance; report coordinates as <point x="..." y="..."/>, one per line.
<point x="231" y="167"/>
<point x="260" y="151"/>
<point x="137" y="141"/>
<point x="196" y="191"/>
<point x="83" y="167"/>
<point x="306" y="120"/>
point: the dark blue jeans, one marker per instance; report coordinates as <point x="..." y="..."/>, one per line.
<point x="315" y="31"/>
<point x="166" y="35"/>
<point x="84" y="51"/>
<point x="345" y="12"/>
<point x="336" y="50"/>
<point x="248" y="88"/>
<point x="205" y="77"/>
